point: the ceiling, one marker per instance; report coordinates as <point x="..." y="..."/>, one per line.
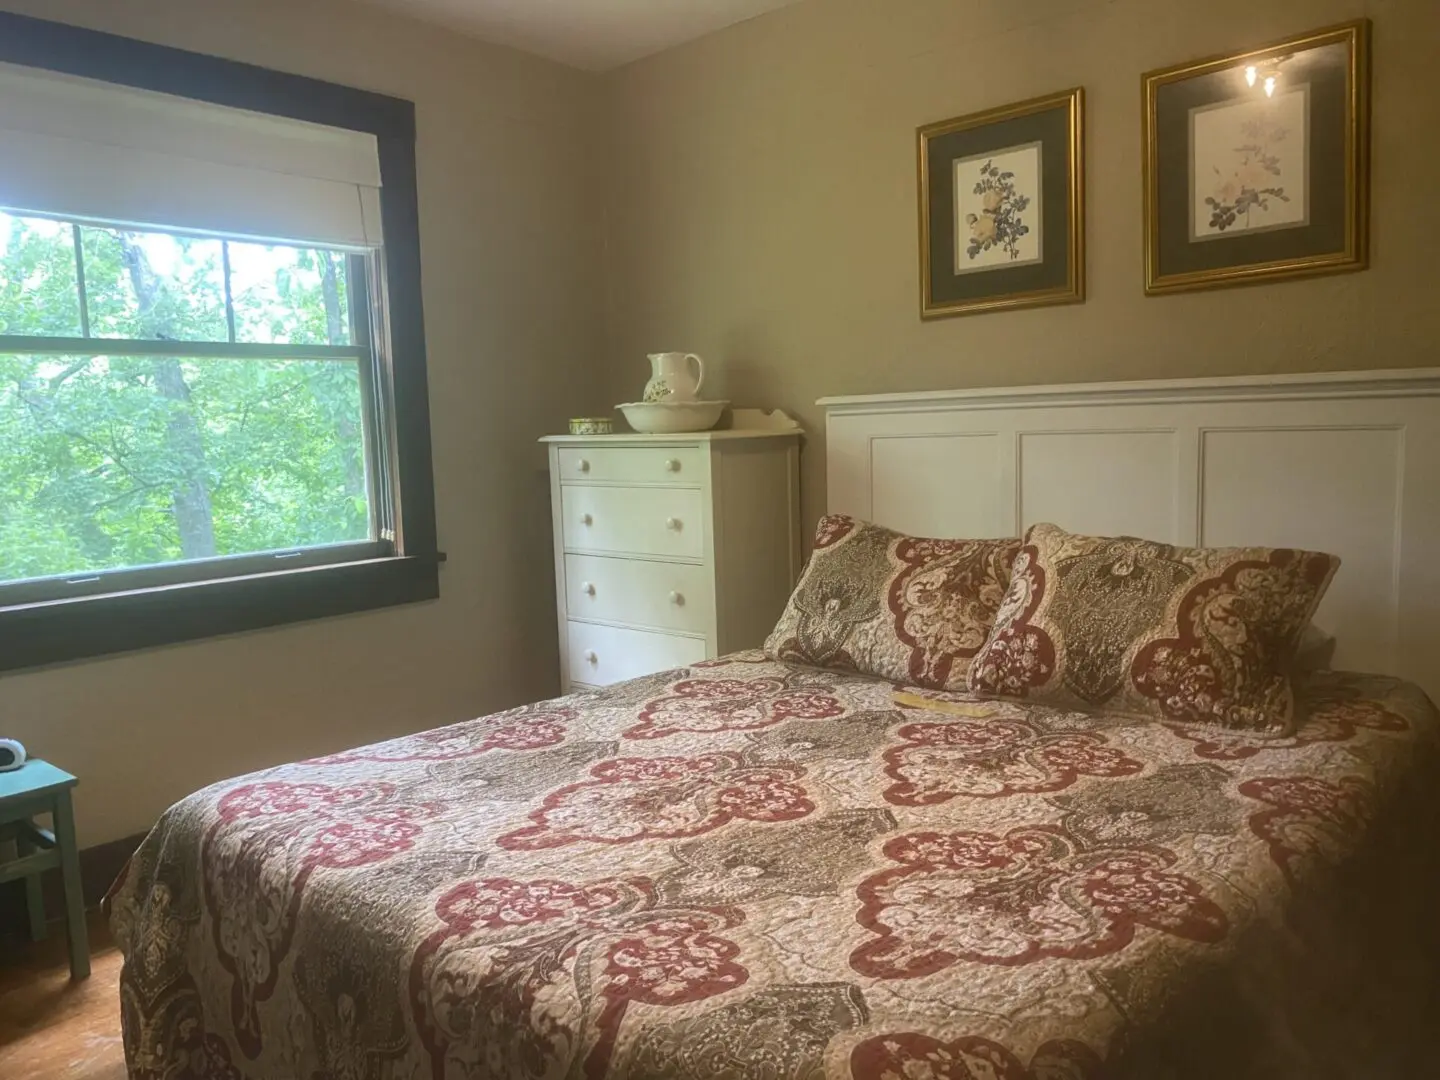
<point x="592" y="34"/>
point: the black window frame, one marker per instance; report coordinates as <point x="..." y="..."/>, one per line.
<point x="47" y="632"/>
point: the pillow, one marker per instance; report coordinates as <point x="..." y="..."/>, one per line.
<point x="1316" y="651"/>
<point x="899" y="607"/>
<point x="1132" y="626"/>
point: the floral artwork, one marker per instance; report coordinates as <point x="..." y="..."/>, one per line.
<point x="1256" y="165"/>
<point x="1249" y="165"/>
<point x="1002" y="190"/>
<point x="997" y="209"/>
<point x="999" y="221"/>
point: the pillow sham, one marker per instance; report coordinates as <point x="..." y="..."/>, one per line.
<point x="903" y="608"/>
<point x="1132" y="626"/>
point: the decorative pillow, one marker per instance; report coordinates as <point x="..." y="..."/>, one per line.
<point x="899" y="607"/>
<point x="1132" y="626"/>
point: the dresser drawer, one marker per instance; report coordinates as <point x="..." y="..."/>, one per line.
<point x="665" y="595"/>
<point x="601" y="655"/>
<point x="676" y="465"/>
<point x="641" y="521"/>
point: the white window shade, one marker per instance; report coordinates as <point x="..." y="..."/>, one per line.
<point x="84" y="149"/>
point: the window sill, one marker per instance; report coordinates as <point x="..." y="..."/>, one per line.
<point x="32" y="635"/>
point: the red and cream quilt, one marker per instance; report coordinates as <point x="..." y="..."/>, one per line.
<point x="752" y="869"/>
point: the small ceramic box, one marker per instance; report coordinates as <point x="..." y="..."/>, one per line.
<point x="592" y="425"/>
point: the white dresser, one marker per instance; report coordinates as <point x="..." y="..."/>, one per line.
<point x="670" y="549"/>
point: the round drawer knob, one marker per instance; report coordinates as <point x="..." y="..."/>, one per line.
<point x="672" y="465"/>
<point x="678" y="599"/>
<point x="586" y="519"/>
<point x="584" y="465"/>
<point x="673" y="524"/>
<point x="590" y="657"/>
<point x="587" y="588"/>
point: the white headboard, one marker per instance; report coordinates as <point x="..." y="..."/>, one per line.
<point x="1345" y="462"/>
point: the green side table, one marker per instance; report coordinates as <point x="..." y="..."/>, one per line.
<point x="36" y="788"/>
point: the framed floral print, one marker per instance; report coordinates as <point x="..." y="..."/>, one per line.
<point x="1002" y="208"/>
<point x="1257" y="164"/>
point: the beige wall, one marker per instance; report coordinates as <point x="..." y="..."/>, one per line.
<point x="762" y="202"/>
<point x="511" y="246"/>
<point x="754" y="196"/>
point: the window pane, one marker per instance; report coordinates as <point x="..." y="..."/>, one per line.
<point x="289" y="296"/>
<point x="154" y="286"/>
<point x="117" y="462"/>
<point x="38" y="295"/>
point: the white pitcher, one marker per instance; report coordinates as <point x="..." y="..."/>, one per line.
<point x="671" y="377"/>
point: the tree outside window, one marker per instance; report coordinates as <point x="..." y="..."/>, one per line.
<point x="111" y="458"/>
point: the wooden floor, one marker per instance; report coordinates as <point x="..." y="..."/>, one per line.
<point x="51" y="1028"/>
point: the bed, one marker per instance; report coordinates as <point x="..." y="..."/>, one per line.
<point x="749" y="868"/>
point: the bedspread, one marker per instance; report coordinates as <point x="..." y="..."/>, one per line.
<point x="750" y="869"/>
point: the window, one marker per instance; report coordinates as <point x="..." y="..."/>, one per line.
<point x="206" y="424"/>
<point x="168" y="399"/>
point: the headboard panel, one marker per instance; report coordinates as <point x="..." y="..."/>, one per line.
<point x="1343" y="462"/>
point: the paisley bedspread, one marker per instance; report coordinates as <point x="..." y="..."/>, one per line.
<point x="750" y="869"/>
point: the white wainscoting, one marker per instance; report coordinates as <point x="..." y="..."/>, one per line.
<point x="1344" y="462"/>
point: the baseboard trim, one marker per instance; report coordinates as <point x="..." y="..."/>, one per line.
<point x="99" y="867"/>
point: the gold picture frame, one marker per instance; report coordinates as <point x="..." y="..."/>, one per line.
<point x="1010" y="258"/>
<point x="1304" y="180"/>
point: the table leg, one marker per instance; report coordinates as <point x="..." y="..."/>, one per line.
<point x="74" y="898"/>
<point x="34" y="894"/>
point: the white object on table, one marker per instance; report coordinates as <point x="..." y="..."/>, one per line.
<point x="670" y="417"/>
<point x="675" y="377"/>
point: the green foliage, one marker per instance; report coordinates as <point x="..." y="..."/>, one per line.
<point x="111" y="462"/>
<point x="37" y="279"/>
